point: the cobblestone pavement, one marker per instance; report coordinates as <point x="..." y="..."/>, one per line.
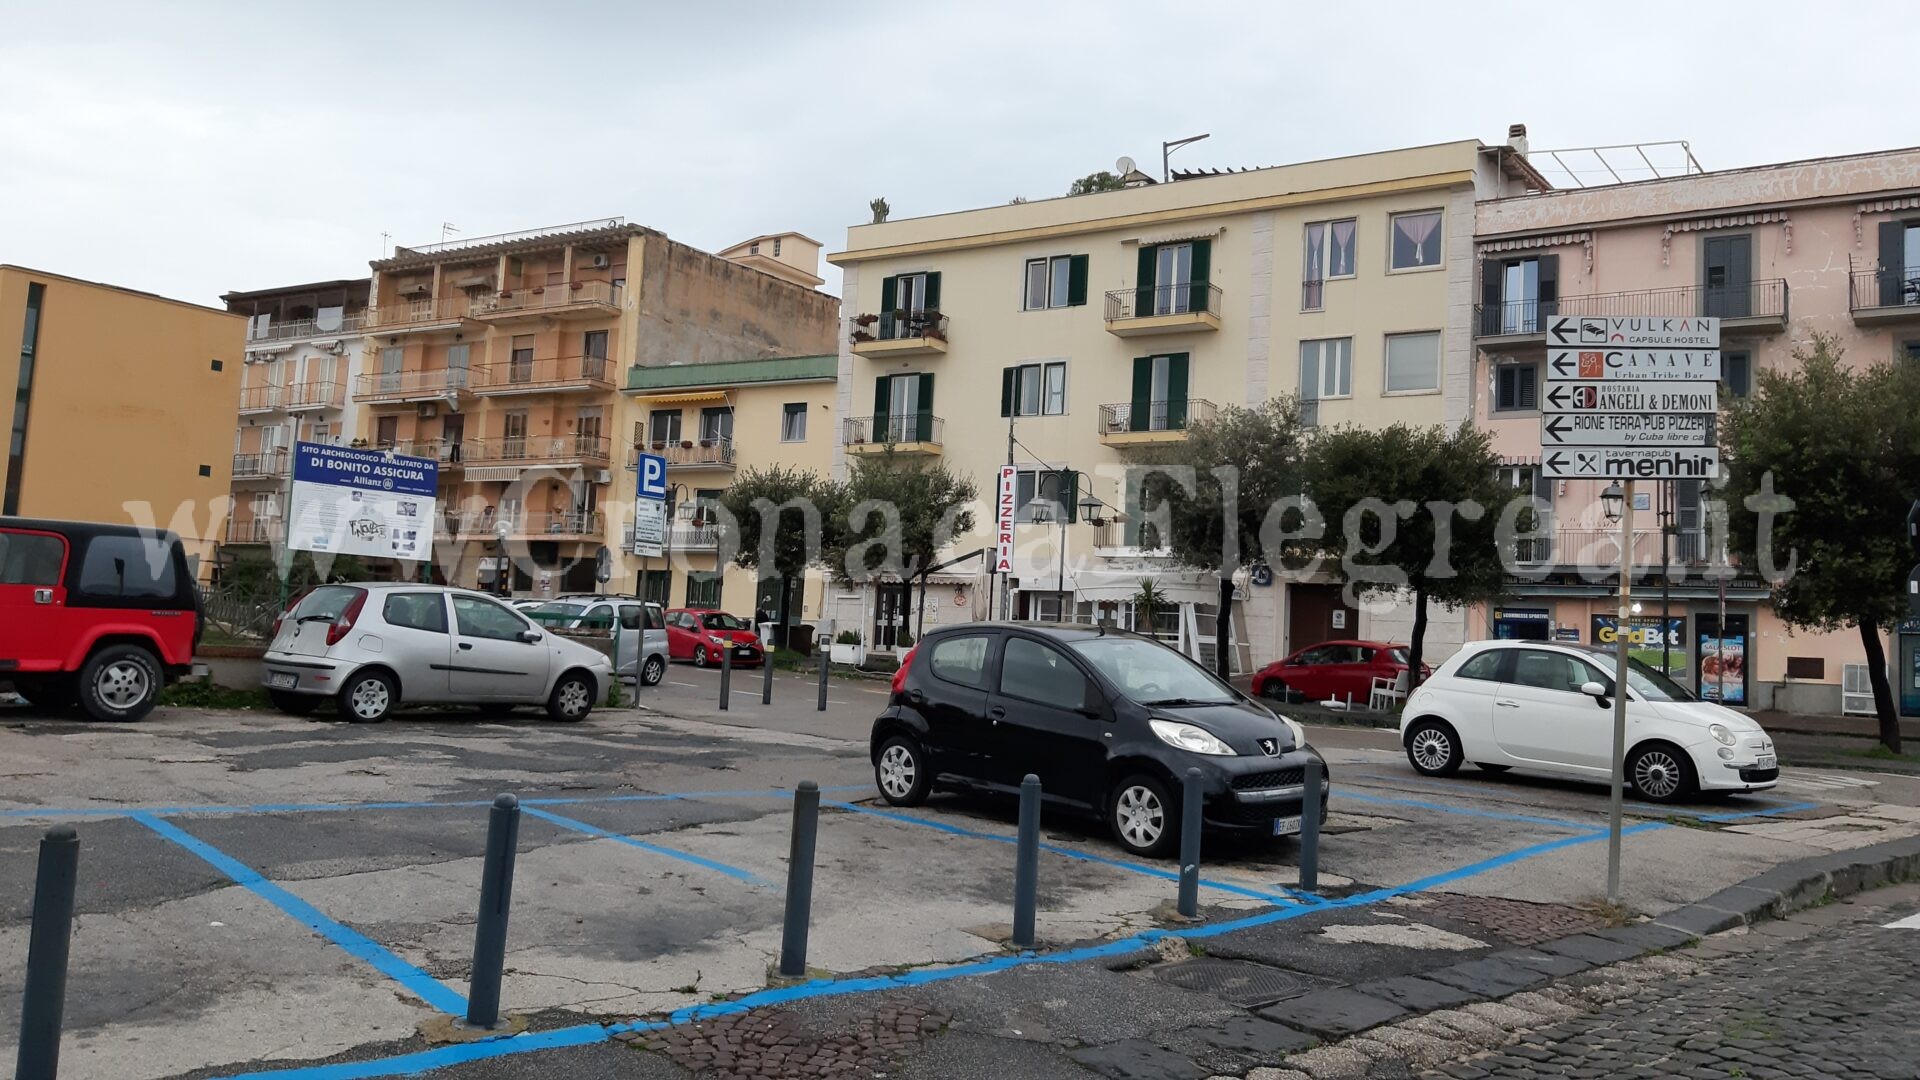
<point x="1843" y="1001"/>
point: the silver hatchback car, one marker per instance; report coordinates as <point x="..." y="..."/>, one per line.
<point x="641" y="641"/>
<point x="371" y="645"/>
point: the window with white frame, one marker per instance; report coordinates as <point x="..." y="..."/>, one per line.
<point x="793" y="422"/>
<point x="1329" y="250"/>
<point x="1055" y="281"/>
<point x="1034" y="389"/>
<point x="1413" y="362"/>
<point x="1414" y="240"/>
<point x="1326" y="369"/>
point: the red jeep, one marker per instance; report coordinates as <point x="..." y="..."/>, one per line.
<point x="104" y="615"/>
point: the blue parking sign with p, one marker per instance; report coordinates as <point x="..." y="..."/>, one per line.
<point x="653" y="476"/>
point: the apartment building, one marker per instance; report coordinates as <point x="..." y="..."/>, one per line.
<point x="1777" y="253"/>
<point x="1090" y="323"/>
<point x="788" y="256"/>
<point x="711" y="422"/>
<point x="304" y="347"/>
<point x="122" y="405"/>
<point x="502" y="357"/>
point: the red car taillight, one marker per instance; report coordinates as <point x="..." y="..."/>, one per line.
<point x="900" y="676"/>
<point x="343" y="623"/>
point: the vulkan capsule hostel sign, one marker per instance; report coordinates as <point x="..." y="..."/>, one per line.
<point x="362" y="502"/>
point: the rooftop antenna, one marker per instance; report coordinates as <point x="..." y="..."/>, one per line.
<point x="1167" y="149"/>
<point x="447" y="228"/>
<point x="386" y="238"/>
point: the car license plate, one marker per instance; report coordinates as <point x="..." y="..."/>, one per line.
<point x="743" y="652"/>
<point x="282" y="680"/>
<point x="1767" y="761"/>
<point x="1286" y="826"/>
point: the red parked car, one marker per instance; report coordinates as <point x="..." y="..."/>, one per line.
<point x="701" y="636"/>
<point x="1336" y="670"/>
<point x="99" y="615"/>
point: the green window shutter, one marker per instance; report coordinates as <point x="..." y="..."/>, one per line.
<point x="1009" y="378"/>
<point x="882" y="399"/>
<point x="924" y="422"/>
<point x="1140" y="412"/>
<point x="1076" y="281"/>
<point x="1177" y="392"/>
<point x="889" y="297"/>
<point x="933" y="292"/>
<point x="1070" y="494"/>
<point x="1202" y="275"/>
<point x="1143" y="283"/>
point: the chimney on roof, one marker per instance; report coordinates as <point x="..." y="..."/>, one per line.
<point x="1517" y="138"/>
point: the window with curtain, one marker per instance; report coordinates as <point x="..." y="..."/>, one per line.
<point x="793" y="422"/>
<point x="1413" y="362"/>
<point x="1034" y="390"/>
<point x="1415" y="240"/>
<point x="1326" y="369"/>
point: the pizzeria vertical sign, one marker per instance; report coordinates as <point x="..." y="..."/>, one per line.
<point x="1003" y="507"/>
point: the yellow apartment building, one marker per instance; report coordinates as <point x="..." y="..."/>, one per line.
<point x="502" y="357"/>
<point x="304" y="347"/>
<point x="1088" y="323"/>
<point x="124" y="405"/>
<point x="712" y="422"/>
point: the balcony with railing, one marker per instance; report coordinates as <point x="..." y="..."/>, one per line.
<point x="909" y="433"/>
<point x="262" y="399"/>
<point x="573" y="299"/>
<point x="1756" y="307"/>
<point x="257" y="531"/>
<point x="270" y="465"/>
<point x="448" y="454"/>
<point x="1177" y="308"/>
<point x="900" y="333"/>
<point x="315" y="395"/>
<point x="1880" y="297"/>
<point x="537" y="450"/>
<point x="717" y="453"/>
<point x="525" y="524"/>
<point x="1598" y="548"/>
<point x="544" y="375"/>
<point x="421" y="314"/>
<point x="1131" y="422"/>
<point x="346" y="324"/>
<point x="403" y="387"/>
<point x="693" y="535"/>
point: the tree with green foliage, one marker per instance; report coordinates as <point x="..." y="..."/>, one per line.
<point x="1411" y="508"/>
<point x="254" y="573"/>
<point x="778" y="520"/>
<point x="1100" y="181"/>
<point x="1823" y="462"/>
<point x="1207" y="499"/>
<point x="898" y="514"/>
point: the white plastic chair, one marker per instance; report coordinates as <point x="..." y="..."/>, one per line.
<point x="1387" y="693"/>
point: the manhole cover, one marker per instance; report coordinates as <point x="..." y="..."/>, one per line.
<point x="1241" y="983"/>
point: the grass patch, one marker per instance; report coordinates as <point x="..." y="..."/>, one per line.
<point x="1611" y="916"/>
<point x="1881" y="753"/>
<point x="208" y="695"/>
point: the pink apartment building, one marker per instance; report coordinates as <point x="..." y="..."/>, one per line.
<point x="1778" y="253"/>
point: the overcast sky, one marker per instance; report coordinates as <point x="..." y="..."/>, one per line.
<point x="193" y="148"/>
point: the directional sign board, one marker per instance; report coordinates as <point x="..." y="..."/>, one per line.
<point x="1630" y="398"/>
<point x="1582" y="331"/>
<point x="1633" y="365"/>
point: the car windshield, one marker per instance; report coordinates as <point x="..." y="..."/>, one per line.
<point x="720" y="620"/>
<point x="1397" y="654"/>
<point x="1152" y="674"/>
<point x="1653" y="686"/>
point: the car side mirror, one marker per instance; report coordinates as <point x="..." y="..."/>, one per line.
<point x="1595" y="689"/>
<point x="530" y="636"/>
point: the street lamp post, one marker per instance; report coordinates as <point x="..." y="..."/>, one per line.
<point x="1666" y="576"/>
<point x="1618" y="504"/>
<point x="501" y="530"/>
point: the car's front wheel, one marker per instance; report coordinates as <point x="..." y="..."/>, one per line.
<point x="572" y="697"/>
<point x="901" y="773"/>
<point x="1143" y="816"/>
<point x="699" y="656"/>
<point x="654" y="670"/>
<point x="120" y="682"/>
<point x="1433" y="749"/>
<point x="293" y="704"/>
<point x="368" y="697"/>
<point x="1662" y="773"/>
<point x="1274" y="690"/>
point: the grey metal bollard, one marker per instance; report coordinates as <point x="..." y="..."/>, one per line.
<point x="726" y="677"/>
<point x="1310" y="827"/>
<point x="496" y="896"/>
<point x="1190" y="814"/>
<point x="806" y="829"/>
<point x="1026" y="864"/>
<point x="825" y="665"/>
<point x="45" y="999"/>
<point x="766" y="677"/>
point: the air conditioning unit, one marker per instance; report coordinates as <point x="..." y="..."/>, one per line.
<point x="429" y="410"/>
<point x="603" y="477"/>
<point x="599" y="262"/>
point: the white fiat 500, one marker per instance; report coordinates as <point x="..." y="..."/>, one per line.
<point x="1549" y="707"/>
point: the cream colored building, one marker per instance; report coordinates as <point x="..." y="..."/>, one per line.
<point x="503" y="358"/>
<point x="788" y="256"/>
<point x="1106" y="319"/>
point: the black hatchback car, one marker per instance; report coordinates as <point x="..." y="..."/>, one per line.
<point x="1108" y="720"/>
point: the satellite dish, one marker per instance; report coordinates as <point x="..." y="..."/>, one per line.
<point x="1123" y="166"/>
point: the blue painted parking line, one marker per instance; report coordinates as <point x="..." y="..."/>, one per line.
<point x="1084" y="856"/>
<point x="1789" y="808"/>
<point x="334" y="808"/>
<point x="358" y="945"/>
<point x="671" y="853"/>
<point x="1343" y="794"/>
<point x="586" y="1034"/>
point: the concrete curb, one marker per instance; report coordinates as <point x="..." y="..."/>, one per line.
<point x="1773" y="895"/>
